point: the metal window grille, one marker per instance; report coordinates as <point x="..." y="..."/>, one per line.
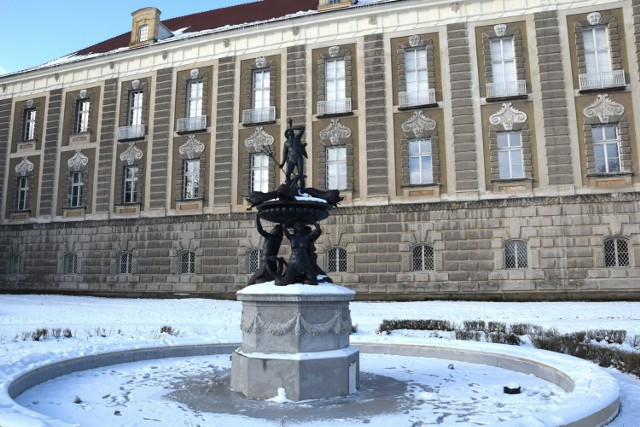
<point x="70" y="264"/>
<point x="125" y="260"/>
<point x="253" y="260"/>
<point x="616" y="253"/>
<point x="187" y="262"/>
<point x="515" y="254"/>
<point x="337" y="260"/>
<point x="423" y="258"/>
<point x="16" y="264"/>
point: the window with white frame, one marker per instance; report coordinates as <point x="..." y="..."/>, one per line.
<point x="510" y="161"/>
<point x="416" y="77"/>
<point x="261" y="95"/>
<point x="597" y="54"/>
<point x="22" y="195"/>
<point x="82" y="115"/>
<point x="136" y="99"/>
<point x="187" y="262"/>
<point x="70" y="263"/>
<point x="422" y="258"/>
<point x="336" y="168"/>
<point x="253" y="260"/>
<point x="336" y="260"/>
<point x="130" y="184"/>
<point x="259" y="172"/>
<point x="616" y="252"/>
<point x="515" y="254"/>
<point x="76" y="186"/>
<point x="335" y="86"/>
<point x="143" y="33"/>
<point x="125" y="263"/>
<point x="29" y="125"/>
<point x="16" y="264"/>
<point x="194" y="99"/>
<point x="606" y="148"/>
<point x="503" y="67"/>
<point x="191" y="179"/>
<point x="420" y="161"/>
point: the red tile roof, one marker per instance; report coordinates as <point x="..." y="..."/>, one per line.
<point x="233" y="15"/>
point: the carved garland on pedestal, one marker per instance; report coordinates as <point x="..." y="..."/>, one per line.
<point x="297" y="325"/>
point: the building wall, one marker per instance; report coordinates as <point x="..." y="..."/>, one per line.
<point x="562" y="208"/>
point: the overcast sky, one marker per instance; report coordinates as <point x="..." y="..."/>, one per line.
<point x="38" y="31"/>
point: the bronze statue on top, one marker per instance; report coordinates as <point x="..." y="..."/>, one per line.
<point x="293" y="207"/>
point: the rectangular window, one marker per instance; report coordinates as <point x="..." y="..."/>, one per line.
<point x="420" y="162"/>
<point x="143" y="33"/>
<point x="191" y="179"/>
<point x="130" y="184"/>
<point x="76" y="185"/>
<point x="124" y="263"/>
<point x="23" y="193"/>
<point x="261" y="89"/>
<point x="260" y="172"/>
<point x="415" y="65"/>
<point x="336" y="168"/>
<point x="194" y="99"/>
<point x="187" y="263"/>
<point x="606" y="148"/>
<point x="136" y="99"/>
<point x="503" y="67"/>
<point x="82" y="115"/>
<point x="597" y="55"/>
<point x="29" y="125"/>
<point x="510" y="162"/>
<point x="335" y="86"/>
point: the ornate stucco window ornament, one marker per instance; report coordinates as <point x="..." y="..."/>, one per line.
<point x="261" y="62"/>
<point x="594" y="18"/>
<point x="259" y="141"/>
<point x="500" y="30"/>
<point x="78" y="162"/>
<point x="192" y="148"/>
<point x="604" y="108"/>
<point x="24" y="168"/>
<point x="418" y="125"/>
<point x="507" y="116"/>
<point x="131" y="155"/>
<point x="135" y="84"/>
<point x="334" y="51"/>
<point x="194" y="73"/>
<point x="83" y="94"/>
<point x="336" y="132"/>
<point x="30" y="103"/>
<point x="415" y="40"/>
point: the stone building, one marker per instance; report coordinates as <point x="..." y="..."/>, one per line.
<point x="485" y="150"/>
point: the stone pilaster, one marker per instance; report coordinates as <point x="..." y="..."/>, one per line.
<point x="376" y="116"/>
<point x="554" y="105"/>
<point x="636" y="28"/>
<point x="296" y="84"/>
<point x="48" y="193"/>
<point x="464" y="145"/>
<point x="224" y="132"/>
<point x="107" y="145"/>
<point x="160" y="152"/>
<point x="5" y="114"/>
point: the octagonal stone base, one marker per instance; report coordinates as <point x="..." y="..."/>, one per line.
<point x="295" y="337"/>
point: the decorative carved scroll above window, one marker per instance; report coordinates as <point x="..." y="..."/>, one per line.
<point x="131" y="155"/>
<point x="418" y="126"/>
<point x="78" y="162"/>
<point x="192" y="148"/>
<point x="508" y="116"/>
<point x="258" y="140"/>
<point x="336" y="133"/>
<point x="604" y="109"/>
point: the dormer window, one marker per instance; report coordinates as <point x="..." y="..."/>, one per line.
<point x="143" y="33"/>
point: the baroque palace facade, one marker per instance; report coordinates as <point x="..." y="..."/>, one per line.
<point x="485" y="150"/>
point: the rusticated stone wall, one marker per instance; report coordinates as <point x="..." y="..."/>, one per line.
<point x="564" y="238"/>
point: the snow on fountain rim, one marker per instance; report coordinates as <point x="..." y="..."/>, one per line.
<point x="296" y="289"/>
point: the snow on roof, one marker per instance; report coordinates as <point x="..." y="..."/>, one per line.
<point x="203" y="23"/>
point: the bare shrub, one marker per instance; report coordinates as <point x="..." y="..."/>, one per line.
<point x="474" y="325"/>
<point x="167" y="329"/>
<point x="521" y="328"/>
<point x="40" y="333"/>
<point x="469" y="335"/>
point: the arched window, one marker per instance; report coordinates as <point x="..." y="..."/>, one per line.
<point x="70" y="263"/>
<point x="125" y="261"/>
<point x="616" y="252"/>
<point x="422" y="258"/>
<point x="253" y="260"/>
<point x="187" y="262"/>
<point x="336" y="260"/>
<point x="515" y="254"/>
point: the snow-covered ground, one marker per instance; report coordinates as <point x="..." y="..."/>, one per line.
<point x="101" y="325"/>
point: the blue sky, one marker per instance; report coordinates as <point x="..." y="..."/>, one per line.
<point x="38" y="31"/>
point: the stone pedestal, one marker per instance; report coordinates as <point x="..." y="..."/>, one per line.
<point x="295" y="337"/>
